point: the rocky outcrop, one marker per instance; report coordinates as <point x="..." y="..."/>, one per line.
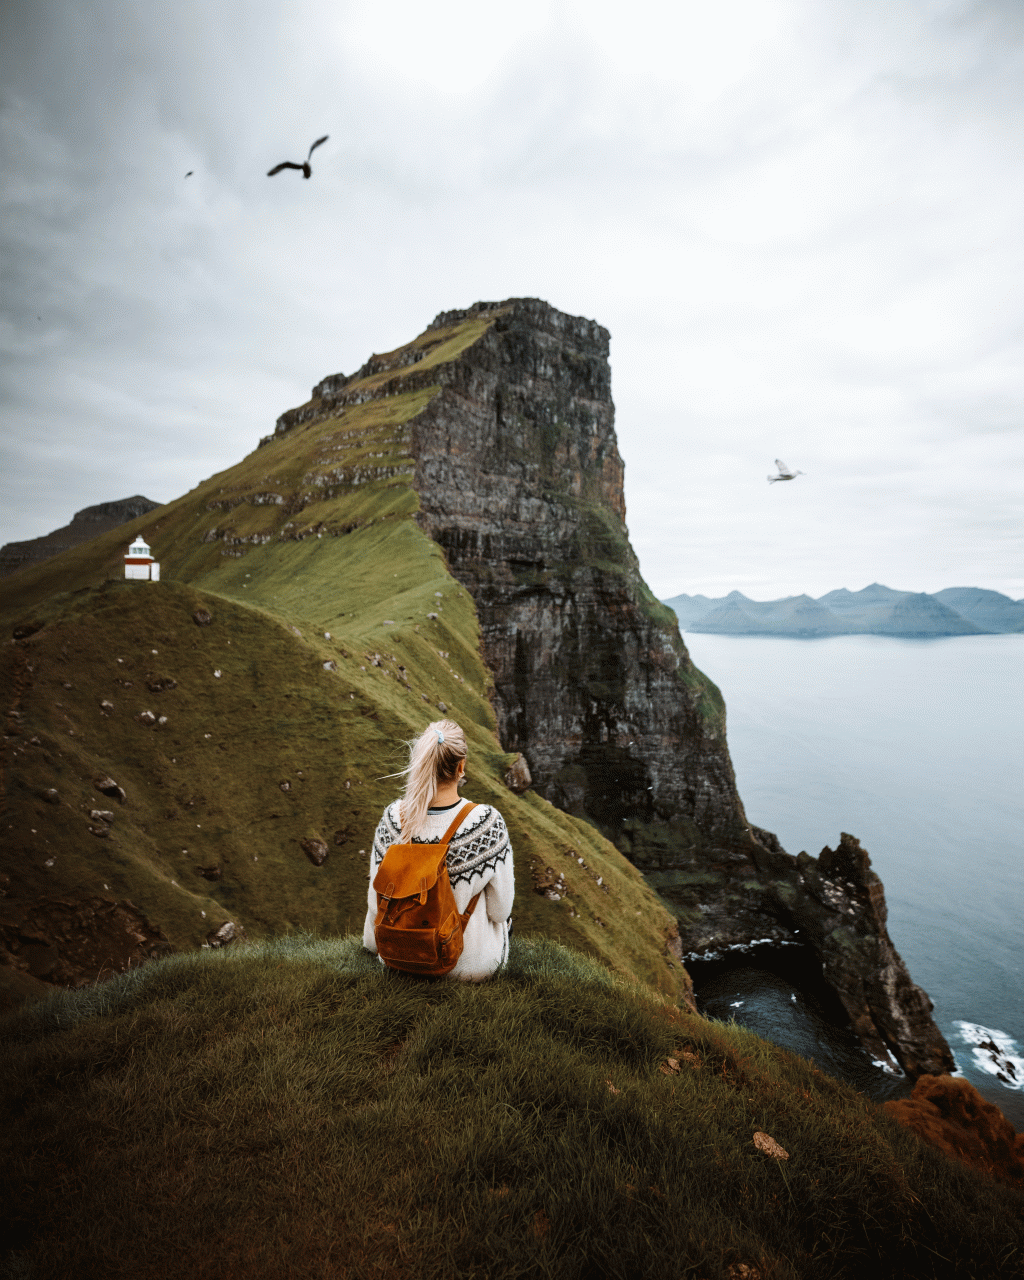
<point x="953" y="1116"/>
<point x="838" y="905"/>
<point x="517" y="776"/>
<point x="87" y="523"/>
<point x="519" y="479"/>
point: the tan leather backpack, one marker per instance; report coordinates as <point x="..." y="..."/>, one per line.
<point x="418" y="928"/>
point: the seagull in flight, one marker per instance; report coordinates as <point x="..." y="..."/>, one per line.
<point x="305" y="166"/>
<point x="785" y="473"/>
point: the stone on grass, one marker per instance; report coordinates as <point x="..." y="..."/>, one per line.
<point x="108" y="787"/>
<point x="315" y="850"/>
<point x="227" y="933"/>
<point x="518" y="778"/>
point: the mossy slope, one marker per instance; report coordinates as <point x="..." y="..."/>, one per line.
<point x="292" y="1109"/>
<point x="337" y="633"/>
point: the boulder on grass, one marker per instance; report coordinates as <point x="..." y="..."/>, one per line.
<point x="315" y="850"/>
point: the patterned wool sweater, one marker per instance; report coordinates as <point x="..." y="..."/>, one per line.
<point x="479" y="858"/>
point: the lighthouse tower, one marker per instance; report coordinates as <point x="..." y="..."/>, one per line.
<point x="139" y="564"/>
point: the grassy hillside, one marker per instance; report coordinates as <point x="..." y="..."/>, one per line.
<point x="184" y="753"/>
<point x="335" y="634"/>
<point x="291" y="1109"/>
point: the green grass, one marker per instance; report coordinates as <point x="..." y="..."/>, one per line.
<point x="204" y="789"/>
<point x="340" y="553"/>
<point x="289" y="1108"/>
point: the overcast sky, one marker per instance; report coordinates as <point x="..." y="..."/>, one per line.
<point x="801" y="220"/>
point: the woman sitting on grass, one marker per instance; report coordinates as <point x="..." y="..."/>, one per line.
<point x="479" y="853"/>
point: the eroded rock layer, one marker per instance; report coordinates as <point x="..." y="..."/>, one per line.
<point x="520" y="481"/>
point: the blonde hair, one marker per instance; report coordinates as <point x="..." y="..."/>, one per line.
<point x="433" y="758"/>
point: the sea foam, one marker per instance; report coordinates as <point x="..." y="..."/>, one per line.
<point x="994" y="1052"/>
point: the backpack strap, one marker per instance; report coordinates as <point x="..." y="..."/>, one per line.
<point x="464" y="915"/>
<point x="456" y="823"/>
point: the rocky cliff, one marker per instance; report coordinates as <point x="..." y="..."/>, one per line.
<point x="86" y="524"/>
<point x="519" y="479"/>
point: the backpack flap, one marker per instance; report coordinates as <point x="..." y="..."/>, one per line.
<point x="409" y="869"/>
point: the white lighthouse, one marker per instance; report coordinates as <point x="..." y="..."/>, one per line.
<point x="139" y="564"/>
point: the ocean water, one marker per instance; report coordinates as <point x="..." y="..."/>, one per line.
<point x="917" y="748"/>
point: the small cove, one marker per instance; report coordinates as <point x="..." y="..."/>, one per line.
<point x="916" y="748"/>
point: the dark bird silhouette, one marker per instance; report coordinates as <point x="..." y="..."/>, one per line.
<point x="190" y="173"/>
<point x="290" y="164"/>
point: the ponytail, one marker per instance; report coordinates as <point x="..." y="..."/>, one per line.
<point x="433" y="758"/>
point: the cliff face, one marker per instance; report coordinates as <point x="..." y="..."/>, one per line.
<point x="519" y="479"/>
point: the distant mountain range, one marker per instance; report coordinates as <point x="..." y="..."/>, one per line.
<point x="877" y="610"/>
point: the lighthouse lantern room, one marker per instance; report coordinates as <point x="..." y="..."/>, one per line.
<point x="139" y="564"/>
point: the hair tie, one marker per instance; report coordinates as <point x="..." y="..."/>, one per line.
<point x="440" y="735"/>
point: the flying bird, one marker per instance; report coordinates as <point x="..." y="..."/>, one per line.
<point x="305" y="166"/>
<point x="785" y="473"/>
<point x="190" y="173"/>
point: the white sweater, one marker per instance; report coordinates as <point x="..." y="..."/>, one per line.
<point x="479" y="861"/>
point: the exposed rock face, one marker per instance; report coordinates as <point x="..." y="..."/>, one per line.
<point x="76" y="941"/>
<point x="87" y="523"/>
<point x="592" y="681"/>
<point x="520" y="481"/>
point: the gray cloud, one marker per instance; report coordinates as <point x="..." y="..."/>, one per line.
<point x="799" y="221"/>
